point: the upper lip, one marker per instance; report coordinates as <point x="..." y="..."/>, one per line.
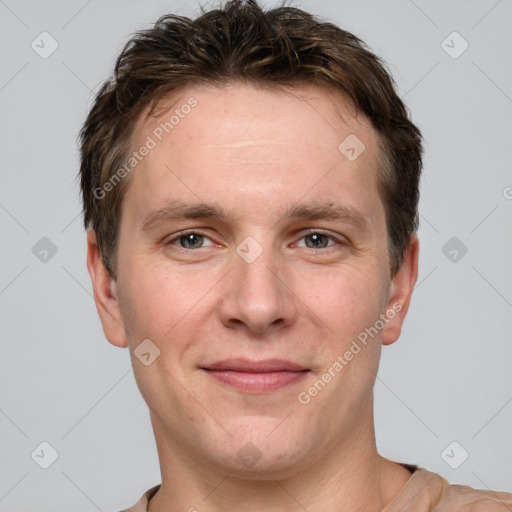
<point x="246" y="365"/>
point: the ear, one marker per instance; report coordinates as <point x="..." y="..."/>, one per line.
<point x="401" y="288"/>
<point x="105" y="294"/>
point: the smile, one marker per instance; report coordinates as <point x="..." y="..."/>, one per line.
<point x="256" y="376"/>
<point x="257" y="382"/>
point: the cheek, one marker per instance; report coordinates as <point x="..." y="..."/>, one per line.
<point x="346" y="300"/>
<point x="158" y="302"/>
<point x="161" y="305"/>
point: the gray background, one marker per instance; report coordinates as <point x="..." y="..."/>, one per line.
<point x="447" y="379"/>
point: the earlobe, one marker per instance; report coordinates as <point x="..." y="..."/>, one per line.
<point x="401" y="288"/>
<point x="105" y="294"/>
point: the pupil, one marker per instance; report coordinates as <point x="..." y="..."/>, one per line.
<point x="316" y="238"/>
<point x="189" y="240"/>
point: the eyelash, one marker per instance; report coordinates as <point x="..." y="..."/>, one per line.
<point x="308" y="233"/>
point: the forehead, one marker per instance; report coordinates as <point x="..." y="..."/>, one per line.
<point x="305" y="111"/>
<point x="209" y="141"/>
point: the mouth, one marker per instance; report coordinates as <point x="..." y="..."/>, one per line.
<point x="256" y="376"/>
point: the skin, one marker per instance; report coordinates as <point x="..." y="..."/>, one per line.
<point x="255" y="152"/>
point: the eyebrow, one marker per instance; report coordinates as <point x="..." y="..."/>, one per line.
<point x="316" y="210"/>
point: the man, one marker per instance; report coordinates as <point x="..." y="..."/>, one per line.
<point x="250" y="186"/>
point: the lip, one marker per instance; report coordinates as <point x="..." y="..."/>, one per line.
<point x="248" y="366"/>
<point x="256" y="376"/>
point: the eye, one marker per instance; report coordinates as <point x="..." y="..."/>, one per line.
<point x="196" y="240"/>
<point x="320" y="240"/>
<point x="189" y="240"/>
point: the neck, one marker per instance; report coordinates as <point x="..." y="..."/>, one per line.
<point x="349" y="476"/>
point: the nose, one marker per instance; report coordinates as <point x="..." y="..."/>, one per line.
<point x="258" y="296"/>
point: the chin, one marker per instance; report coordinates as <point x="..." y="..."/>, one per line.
<point x="261" y="448"/>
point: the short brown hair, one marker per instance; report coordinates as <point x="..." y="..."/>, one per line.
<point x="241" y="42"/>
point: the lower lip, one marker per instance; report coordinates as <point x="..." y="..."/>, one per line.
<point x="257" y="382"/>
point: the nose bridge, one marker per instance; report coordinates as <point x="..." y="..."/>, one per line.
<point x="259" y="275"/>
<point x="257" y="296"/>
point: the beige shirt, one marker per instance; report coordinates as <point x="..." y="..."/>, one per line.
<point x="423" y="492"/>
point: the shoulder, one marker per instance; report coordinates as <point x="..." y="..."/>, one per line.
<point x="446" y="497"/>
<point x="430" y="492"/>
<point x="467" y="499"/>
<point x="142" y="504"/>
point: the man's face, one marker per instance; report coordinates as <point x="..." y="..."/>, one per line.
<point x="261" y="283"/>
